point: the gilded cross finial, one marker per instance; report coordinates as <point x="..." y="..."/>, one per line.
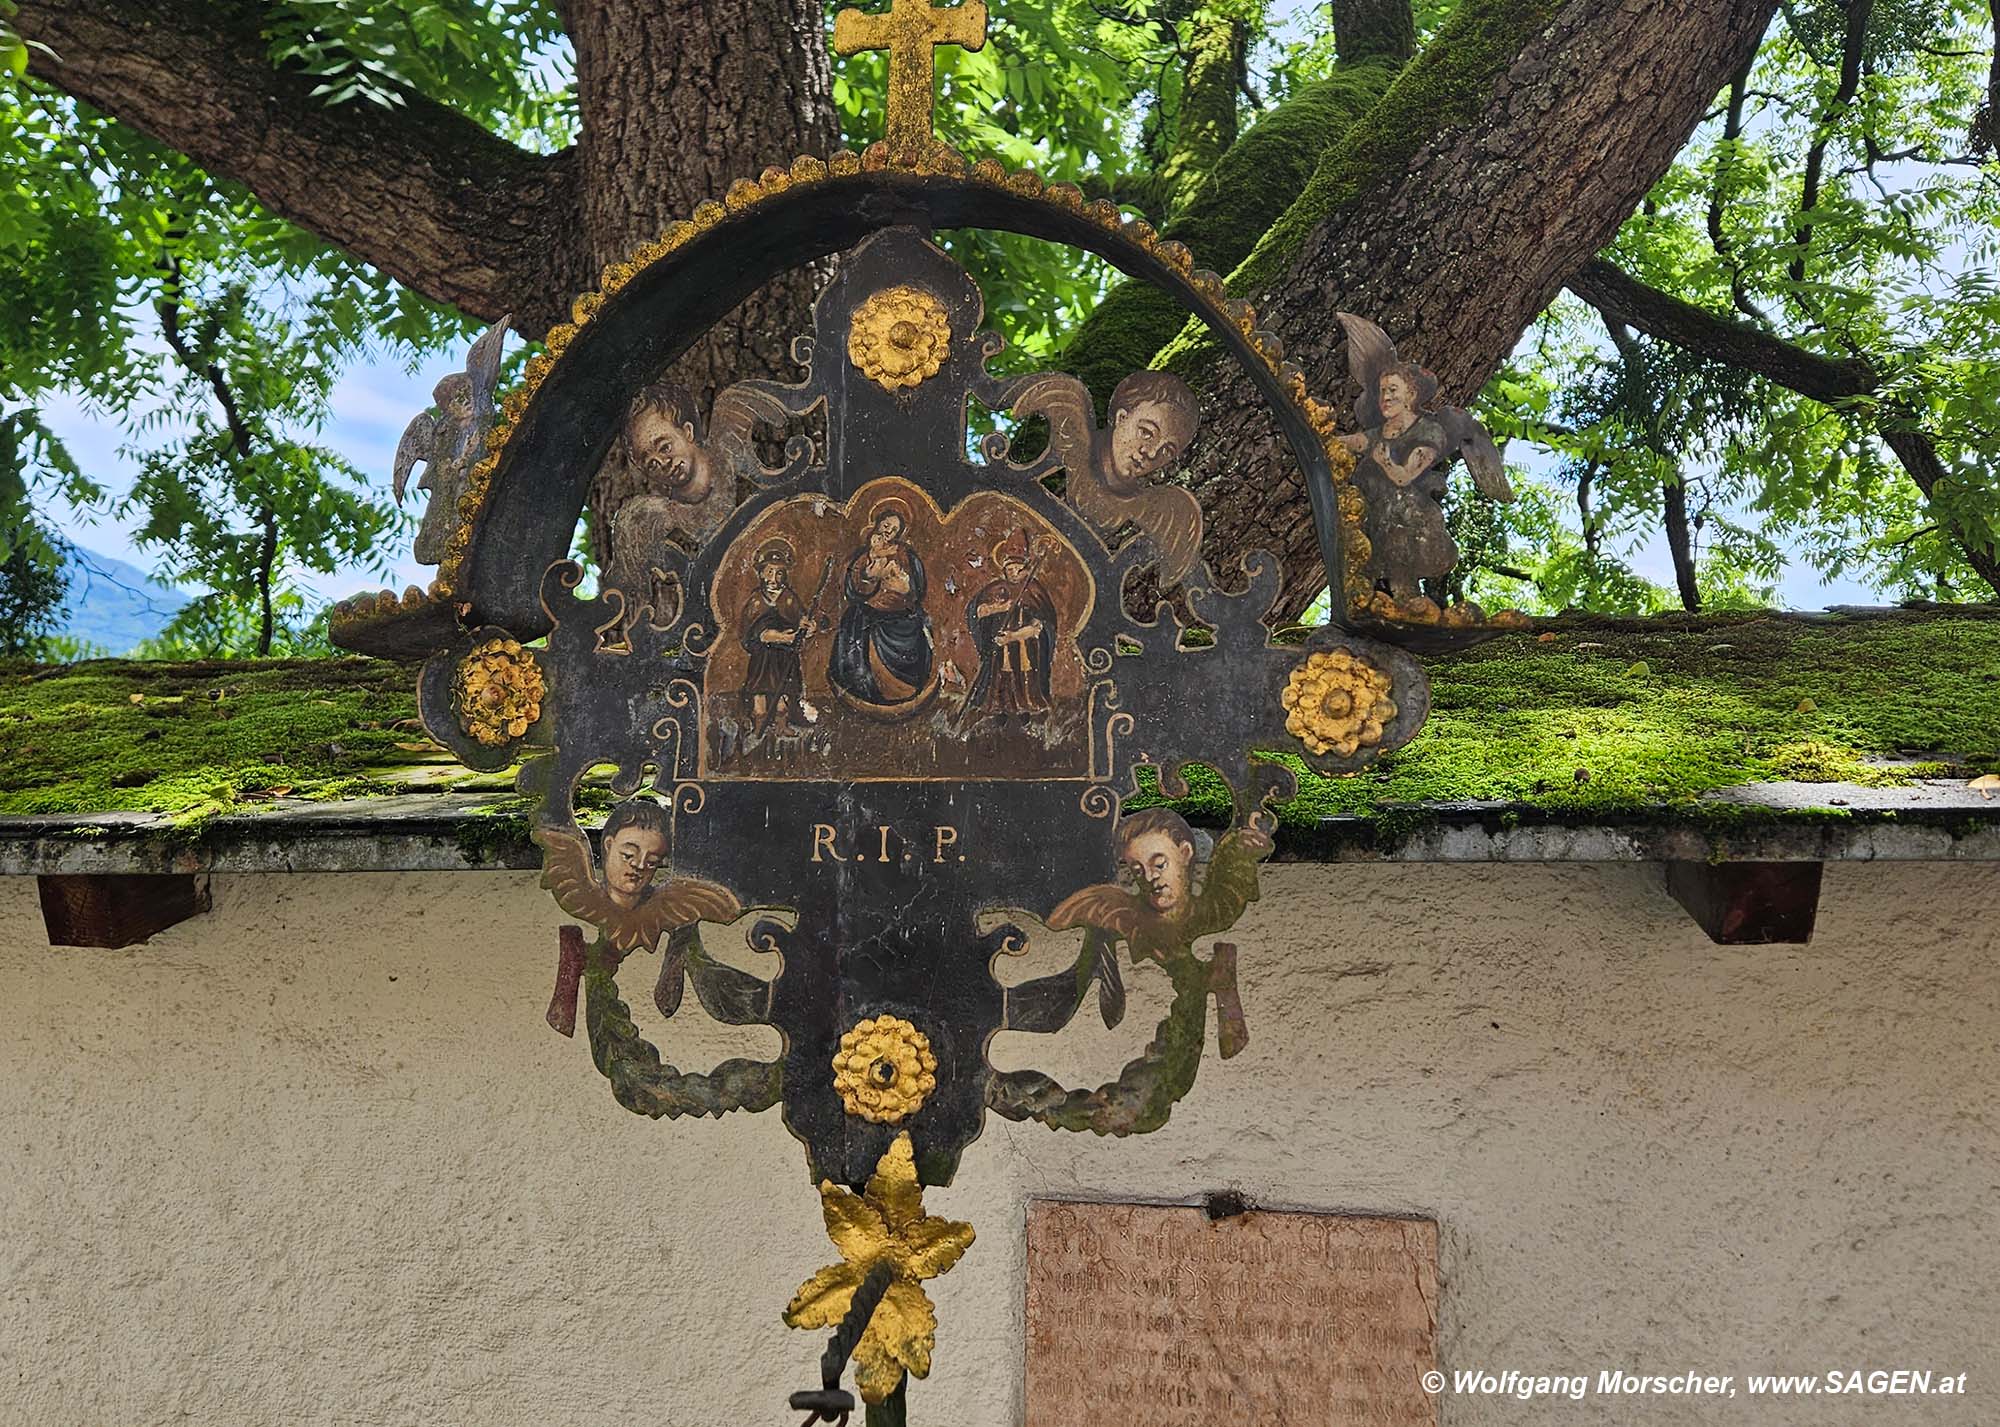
<point x="910" y="32"/>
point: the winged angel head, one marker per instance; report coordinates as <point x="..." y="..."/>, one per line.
<point x="627" y="901"/>
<point x="448" y="440"/>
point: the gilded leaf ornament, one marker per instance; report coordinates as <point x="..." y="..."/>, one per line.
<point x="885" y="1223"/>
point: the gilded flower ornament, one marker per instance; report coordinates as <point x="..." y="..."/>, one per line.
<point x="885" y="1223"/>
<point x="884" y="1070"/>
<point x="1337" y="703"/>
<point x="499" y="690"/>
<point x="899" y="337"/>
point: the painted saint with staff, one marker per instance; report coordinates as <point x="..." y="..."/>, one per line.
<point x="1014" y="628"/>
<point x="773" y="625"/>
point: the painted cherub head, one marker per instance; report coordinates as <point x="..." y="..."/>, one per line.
<point x="1156" y="851"/>
<point x="1150" y="423"/>
<point x="662" y="446"/>
<point x="636" y="838"/>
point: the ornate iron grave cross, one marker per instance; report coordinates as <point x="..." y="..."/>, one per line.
<point x="883" y="701"/>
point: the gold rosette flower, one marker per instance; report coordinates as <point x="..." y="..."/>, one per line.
<point x="899" y="337"/>
<point x="884" y="1069"/>
<point x="885" y="1223"/>
<point x="499" y="691"/>
<point x="1337" y="703"/>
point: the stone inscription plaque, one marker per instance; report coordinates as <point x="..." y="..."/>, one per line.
<point x="1153" y="1315"/>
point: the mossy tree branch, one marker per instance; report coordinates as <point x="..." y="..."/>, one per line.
<point x="1373" y="29"/>
<point x="1251" y="184"/>
<point x="1846" y="384"/>
<point x="1206" y="126"/>
<point x="1499" y="162"/>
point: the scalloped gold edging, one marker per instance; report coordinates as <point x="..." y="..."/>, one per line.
<point x="938" y="160"/>
<point x="382" y="604"/>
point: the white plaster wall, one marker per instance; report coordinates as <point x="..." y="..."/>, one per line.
<point x="316" y="1158"/>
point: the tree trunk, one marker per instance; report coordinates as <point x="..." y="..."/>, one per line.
<point x="678" y="101"/>
<point x="1453" y="217"/>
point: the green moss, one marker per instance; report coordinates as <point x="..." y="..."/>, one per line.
<point x="1447" y="84"/>
<point x="497" y="829"/>
<point x="1251" y="185"/>
<point x="1560" y="726"/>
<point x="197" y="739"/>
<point x="1725" y="700"/>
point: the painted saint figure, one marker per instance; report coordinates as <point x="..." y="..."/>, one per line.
<point x="882" y="652"/>
<point x="772" y="625"/>
<point x="1013" y="623"/>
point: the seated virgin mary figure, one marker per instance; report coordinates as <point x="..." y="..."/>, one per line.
<point x="882" y="652"/>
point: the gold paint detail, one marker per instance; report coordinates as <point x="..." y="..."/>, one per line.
<point x="884" y="1070"/>
<point x="911" y="32"/>
<point x="884" y="1224"/>
<point x="361" y="609"/>
<point x="498" y="691"/>
<point x="899" y="337"/>
<point x="1337" y="703"/>
<point x="917" y="153"/>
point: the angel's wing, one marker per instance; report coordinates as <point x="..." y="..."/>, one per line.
<point x="419" y="443"/>
<point x="678" y="903"/>
<point x="482" y="369"/>
<point x="1172" y="517"/>
<point x="1482" y="457"/>
<point x="1231" y="885"/>
<point x="1105" y="906"/>
<point x="1064" y="402"/>
<point x="567" y="872"/>
<point x="1369" y="354"/>
<point x="732" y="425"/>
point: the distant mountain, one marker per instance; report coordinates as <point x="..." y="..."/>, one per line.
<point x="113" y="605"/>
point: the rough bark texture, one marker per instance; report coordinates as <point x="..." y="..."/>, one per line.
<point x="1457" y="247"/>
<point x="1248" y="189"/>
<point x="1833" y="380"/>
<point x="677" y="102"/>
<point x="1373" y="29"/>
<point x="420" y="192"/>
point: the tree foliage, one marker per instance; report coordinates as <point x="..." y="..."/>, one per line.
<point x="1838" y="202"/>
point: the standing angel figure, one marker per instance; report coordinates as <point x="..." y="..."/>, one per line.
<point x="449" y="440"/>
<point x="1404" y="449"/>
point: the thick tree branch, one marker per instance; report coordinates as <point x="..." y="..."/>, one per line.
<point x="1623" y="298"/>
<point x="1503" y="158"/>
<point x="1854" y="40"/>
<point x="1373" y="29"/>
<point x="1833" y="381"/>
<point x="1205" y="127"/>
<point x="420" y="192"/>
